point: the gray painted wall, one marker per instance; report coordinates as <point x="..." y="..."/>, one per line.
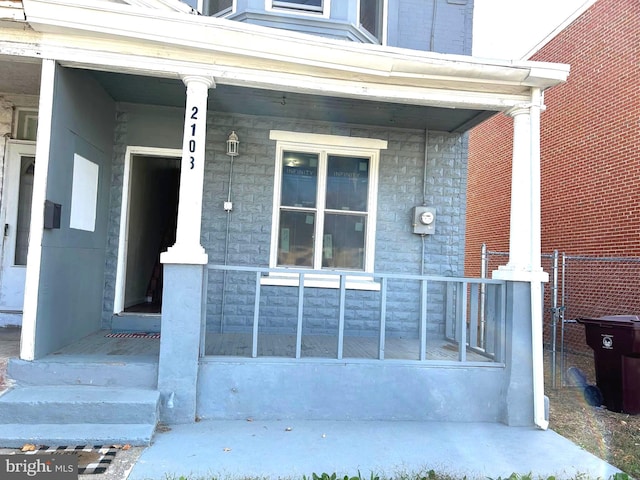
<point x="72" y="269"/>
<point x="397" y="249"/>
<point x="348" y="391"/>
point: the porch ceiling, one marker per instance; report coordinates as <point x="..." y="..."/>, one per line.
<point x="19" y="75"/>
<point x="262" y="102"/>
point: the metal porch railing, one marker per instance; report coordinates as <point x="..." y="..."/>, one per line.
<point x="470" y="312"/>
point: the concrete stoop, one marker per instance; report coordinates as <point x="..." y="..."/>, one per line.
<point x="77" y="415"/>
<point x="122" y="371"/>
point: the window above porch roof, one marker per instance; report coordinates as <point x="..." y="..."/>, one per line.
<point x="389" y="85"/>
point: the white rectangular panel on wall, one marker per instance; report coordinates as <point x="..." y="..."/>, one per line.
<point x="84" y="194"/>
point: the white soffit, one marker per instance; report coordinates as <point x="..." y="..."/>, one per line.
<point x="243" y="54"/>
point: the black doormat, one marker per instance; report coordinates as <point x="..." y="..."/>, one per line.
<point x="91" y="459"/>
<point x="132" y="335"/>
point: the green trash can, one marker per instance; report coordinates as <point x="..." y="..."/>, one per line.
<point x="615" y="341"/>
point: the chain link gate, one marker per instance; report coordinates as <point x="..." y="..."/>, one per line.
<point x="579" y="286"/>
<point x="491" y="260"/>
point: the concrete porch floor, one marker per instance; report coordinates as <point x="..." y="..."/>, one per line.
<point x="290" y="449"/>
<point x="275" y="449"/>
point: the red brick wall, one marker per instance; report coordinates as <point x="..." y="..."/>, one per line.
<point x="590" y="146"/>
<point x="488" y="189"/>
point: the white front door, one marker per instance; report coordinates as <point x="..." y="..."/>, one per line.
<point x="15" y="217"/>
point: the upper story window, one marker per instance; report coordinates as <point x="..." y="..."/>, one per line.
<point x="304" y="5"/>
<point x="371" y="16"/>
<point x="324" y="212"/>
<point x="25" y="124"/>
<point x="218" y="7"/>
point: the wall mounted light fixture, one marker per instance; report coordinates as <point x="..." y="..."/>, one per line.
<point x="232" y="144"/>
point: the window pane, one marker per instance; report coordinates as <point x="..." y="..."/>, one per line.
<point x="216" y="6"/>
<point x="299" y="179"/>
<point x="371" y="16"/>
<point x="343" y="241"/>
<point x="24" y="209"/>
<point x="295" y="239"/>
<point x="315" y="5"/>
<point x="27" y="125"/>
<point x="347" y="183"/>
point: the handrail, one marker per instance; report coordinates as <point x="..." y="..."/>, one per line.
<point x="349" y="273"/>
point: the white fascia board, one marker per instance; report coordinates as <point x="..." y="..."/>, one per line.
<point x="237" y="51"/>
<point x="294" y="83"/>
<point x="11" y="11"/>
<point x="172" y="5"/>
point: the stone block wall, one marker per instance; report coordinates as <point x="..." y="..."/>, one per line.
<point x="401" y="177"/>
<point x="242" y="236"/>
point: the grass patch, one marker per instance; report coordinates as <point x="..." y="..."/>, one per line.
<point x="611" y="436"/>
<point x="428" y="475"/>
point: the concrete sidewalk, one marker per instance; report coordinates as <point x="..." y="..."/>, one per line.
<point x="274" y="449"/>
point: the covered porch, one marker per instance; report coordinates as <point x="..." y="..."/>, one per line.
<point x="236" y="341"/>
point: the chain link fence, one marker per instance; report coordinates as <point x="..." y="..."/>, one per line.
<point x="579" y="286"/>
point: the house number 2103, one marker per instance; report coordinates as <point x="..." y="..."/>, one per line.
<point x="192" y="140"/>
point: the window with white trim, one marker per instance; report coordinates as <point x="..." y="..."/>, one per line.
<point x="218" y="7"/>
<point x="325" y="204"/>
<point x="371" y="17"/>
<point x="304" y="5"/>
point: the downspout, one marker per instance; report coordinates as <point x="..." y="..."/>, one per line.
<point x="432" y="39"/>
<point x="539" y="416"/>
<point x="227" y="208"/>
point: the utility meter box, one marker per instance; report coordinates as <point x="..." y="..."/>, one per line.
<point x="424" y="220"/>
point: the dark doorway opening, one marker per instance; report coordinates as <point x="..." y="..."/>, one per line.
<point x="153" y="210"/>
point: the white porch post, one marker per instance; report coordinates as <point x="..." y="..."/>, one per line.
<point x="524" y="269"/>
<point x="187" y="249"/>
<point x="524" y="232"/>
<point x="184" y="293"/>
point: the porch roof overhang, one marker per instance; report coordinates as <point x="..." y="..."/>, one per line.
<point x="118" y="38"/>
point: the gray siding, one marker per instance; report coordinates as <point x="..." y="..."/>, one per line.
<point x="249" y="224"/>
<point x="444" y="26"/>
<point x="411" y="25"/>
<point x="72" y="268"/>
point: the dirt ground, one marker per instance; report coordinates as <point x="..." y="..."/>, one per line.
<point x="9" y="347"/>
<point x="612" y="436"/>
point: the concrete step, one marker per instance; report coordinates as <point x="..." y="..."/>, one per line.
<point x="121" y="371"/>
<point x="136" y="322"/>
<point x="15" y="435"/>
<point x="79" y="405"/>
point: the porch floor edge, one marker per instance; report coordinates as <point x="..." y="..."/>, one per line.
<point x="292" y="448"/>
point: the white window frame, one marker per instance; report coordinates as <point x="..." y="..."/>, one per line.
<point x="221" y="13"/>
<point x="325" y="145"/>
<point x="383" y="20"/>
<point x="20" y="129"/>
<point x="272" y="6"/>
